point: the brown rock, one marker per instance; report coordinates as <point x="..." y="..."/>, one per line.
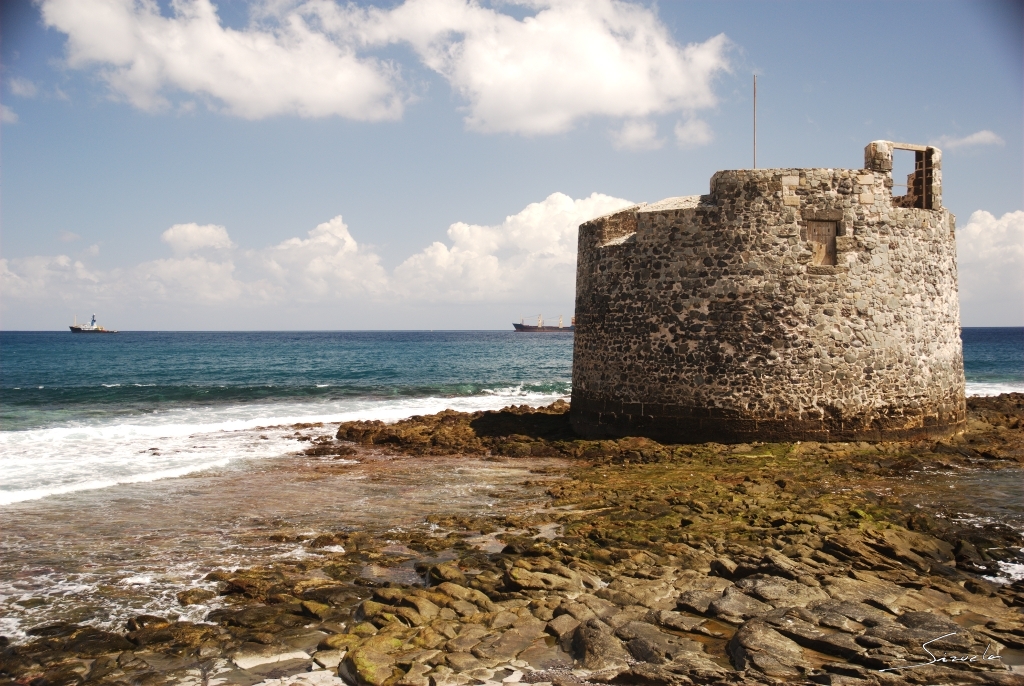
<point x="678" y="621"/>
<point x="578" y="611"/>
<point x="596" y="648"/>
<point x="426" y="609"/>
<point x="521" y="579"/>
<point x="562" y="625"/>
<point x="810" y="636"/>
<point x="416" y="676"/>
<point x="319" y="610"/>
<point x="446" y="572"/>
<point x="735" y="606"/>
<point x="511" y="643"/>
<point x="502" y="620"/>
<point x="462" y="662"/>
<point x="697" y="601"/>
<point x="757" y="646"/>
<point x="648" y="644"/>
<point x="90" y="642"/>
<point x="470" y="635"/>
<point x="780" y="592"/>
<point x="195" y="596"/>
<point x="369" y="668"/>
<point x="542" y="656"/>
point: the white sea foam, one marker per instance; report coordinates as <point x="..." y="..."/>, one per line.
<point x="976" y="388"/>
<point x="42" y="462"/>
<point x="140" y="580"/>
<point x="1010" y="572"/>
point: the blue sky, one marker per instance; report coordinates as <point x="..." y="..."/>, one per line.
<point x="423" y="164"/>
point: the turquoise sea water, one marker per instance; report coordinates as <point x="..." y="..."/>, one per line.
<point x="55" y="378"/>
<point x="88" y="411"/>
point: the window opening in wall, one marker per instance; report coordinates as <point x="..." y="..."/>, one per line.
<point x="902" y="168"/>
<point x="914" y="166"/>
<point x="822" y="237"/>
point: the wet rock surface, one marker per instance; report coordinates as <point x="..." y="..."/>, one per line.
<point x="648" y="564"/>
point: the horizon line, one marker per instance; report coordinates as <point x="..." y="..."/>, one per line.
<point x="567" y="330"/>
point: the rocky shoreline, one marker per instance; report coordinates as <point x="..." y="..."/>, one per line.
<point x="648" y="564"/>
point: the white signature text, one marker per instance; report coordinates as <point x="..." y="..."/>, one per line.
<point x="948" y="658"/>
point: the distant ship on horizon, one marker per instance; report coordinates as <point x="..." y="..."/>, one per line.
<point x="91" y="327"/>
<point x="523" y="327"/>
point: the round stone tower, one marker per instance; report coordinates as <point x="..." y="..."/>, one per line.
<point x="787" y="304"/>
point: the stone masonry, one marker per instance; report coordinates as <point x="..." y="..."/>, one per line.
<point x="787" y="304"/>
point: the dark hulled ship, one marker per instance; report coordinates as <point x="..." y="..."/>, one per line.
<point x="540" y="328"/>
<point x="91" y="327"/>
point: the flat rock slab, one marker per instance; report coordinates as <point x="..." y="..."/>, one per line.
<point x="697" y="601"/>
<point x="250" y="660"/>
<point x="329" y="659"/>
<point x="779" y="592"/>
<point x="510" y="644"/>
<point x="735" y="606"/>
<point x="540" y="655"/>
<point x="809" y="636"/>
<point x="318" y="678"/>
<point x="647" y="643"/>
<point x="757" y="645"/>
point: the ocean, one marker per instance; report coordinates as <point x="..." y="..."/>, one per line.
<point x="133" y="464"/>
<point x="82" y="412"/>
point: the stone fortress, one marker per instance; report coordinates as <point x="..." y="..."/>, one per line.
<point x="787" y="304"/>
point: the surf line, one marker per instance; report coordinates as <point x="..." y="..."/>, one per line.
<point x="951" y="658"/>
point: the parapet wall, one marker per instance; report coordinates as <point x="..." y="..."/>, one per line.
<point x="788" y="304"/>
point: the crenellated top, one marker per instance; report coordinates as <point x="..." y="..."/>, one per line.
<point x="924" y="184"/>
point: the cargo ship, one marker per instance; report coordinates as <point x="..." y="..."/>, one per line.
<point x="523" y="327"/>
<point x="91" y="327"/>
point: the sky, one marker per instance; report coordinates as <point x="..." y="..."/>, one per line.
<point x="424" y="164"/>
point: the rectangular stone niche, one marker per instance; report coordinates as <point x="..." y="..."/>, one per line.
<point x="822" y="238"/>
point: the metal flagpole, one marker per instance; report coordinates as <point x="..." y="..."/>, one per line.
<point x="755" y="121"/>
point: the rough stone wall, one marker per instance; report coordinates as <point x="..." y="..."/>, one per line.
<point x="718" y="317"/>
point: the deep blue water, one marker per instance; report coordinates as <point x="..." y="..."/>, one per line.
<point x="59" y="376"/>
<point x="994" y="356"/>
<point x="80" y="412"/>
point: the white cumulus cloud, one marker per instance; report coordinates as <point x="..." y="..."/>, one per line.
<point x="7" y="115"/>
<point x="977" y="138"/>
<point x="327" y="264"/>
<point x="187" y="280"/>
<point x="532" y="254"/>
<point x="539" y="74"/>
<point x="285" y="67"/>
<point x="990" y="260"/>
<point x="46" y="276"/>
<point x="184" y="238"/>
<point x="570" y="59"/>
